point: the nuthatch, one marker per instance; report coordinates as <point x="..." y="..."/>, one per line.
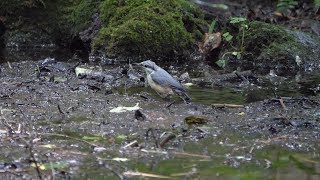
<point x="162" y="82"/>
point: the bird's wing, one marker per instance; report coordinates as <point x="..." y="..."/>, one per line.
<point x="164" y="78"/>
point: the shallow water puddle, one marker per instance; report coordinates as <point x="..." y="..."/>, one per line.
<point x="206" y="160"/>
<point x="238" y="95"/>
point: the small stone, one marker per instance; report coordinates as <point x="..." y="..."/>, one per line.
<point x="139" y="115"/>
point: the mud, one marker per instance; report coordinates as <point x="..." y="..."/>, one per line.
<point x="62" y="123"/>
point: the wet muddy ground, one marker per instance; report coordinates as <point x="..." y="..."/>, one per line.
<point x="65" y="126"/>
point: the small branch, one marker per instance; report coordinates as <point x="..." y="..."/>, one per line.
<point x="242" y="77"/>
<point x="166" y="139"/>
<point x="131" y="144"/>
<point x="153" y="136"/>
<point x="29" y="146"/>
<point x="285" y="120"/>
<point x="60" y="111"/>
<point x="191" y="155"/>
<point x="274" y="138"/>
<point x="282" y="103"/>
<point x="66" y="136"/>
<point x="226" y="105"/>
<point x="9" y="128"/>
<point x="114" y="172"/>
<point x="9" y="65"/>
<point x="131" y="173"/>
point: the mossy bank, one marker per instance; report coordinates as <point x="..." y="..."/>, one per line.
<point x="133" y="28"/>
<point x="270" y="47"/>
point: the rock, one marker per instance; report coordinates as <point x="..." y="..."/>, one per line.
<point x="87" y="35"/>
<point x="2" y="31"/>
<point x="2" y="27"/>
<point x="148" y="28"/>
<point x="139" y="115"/>
<point x="288" y="52"/>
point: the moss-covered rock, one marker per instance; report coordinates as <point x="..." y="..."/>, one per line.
<point x="17" y="6"/>
<point x="22" y="20"/>
<point x="35" y="22"/>
<point x="76" y="15"/>
<point x="268" y="46"/>
<point x="149" y="28"/>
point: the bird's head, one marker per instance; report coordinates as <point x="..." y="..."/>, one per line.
<point x="148" y="65"/>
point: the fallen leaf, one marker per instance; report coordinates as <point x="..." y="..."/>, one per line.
<point x="210" y="42"/>
<point x="120" y="159"/>
<point x="49" y="146"/>
<point x="121" y="109"/>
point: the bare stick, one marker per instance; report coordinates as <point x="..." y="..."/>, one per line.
<point x="227" y="105"/>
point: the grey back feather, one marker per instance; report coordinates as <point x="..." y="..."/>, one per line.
<point x="164" y="78"/>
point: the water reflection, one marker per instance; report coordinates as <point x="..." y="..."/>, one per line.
<point x="226" y="161"/>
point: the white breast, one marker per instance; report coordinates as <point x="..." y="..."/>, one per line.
<point x="163" y="91"/>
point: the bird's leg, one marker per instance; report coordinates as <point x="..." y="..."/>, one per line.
<point x="167" y="97"/>
<point x="171" y="104"/>
<point x="186" y="100"/>
<point x="185" y="97"/>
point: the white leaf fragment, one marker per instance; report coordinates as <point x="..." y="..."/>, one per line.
<point x="121" y="109"/>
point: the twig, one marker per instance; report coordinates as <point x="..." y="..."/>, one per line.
<point x="131" y="144"/>
<point x="176" y="153"/>
<point x="166" y="139"/>
<point x="12" y="172"/>
<point x="29" y="146"/>
<point x="216" y="79"/>
<point x="171" y="104"/>
<point x="274" y="138"/>
<point x="114" y="172"/>
<point x="153" y="136"/>
<point x="131" y="173"/>
<point x="9" y="64"/>
<point x="241" y="76"/>
<point x="286" y="121"/>
<point x="52" y="169"/>
<point x="191" y="154"/>
<point x="9" y="128"/>
<point x="154" y="151"/>
<point x="74" y="66"/>
<point x="226" y="105"/>
<point x="22" y="129"/>
<point x="282" y="103"/>
<point x="60" y="111"/>
<point x="66" y="136"/>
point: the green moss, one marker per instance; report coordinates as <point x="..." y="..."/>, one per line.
<point x="77" y="15"/>
<point x="196" y="120"/>
<point x="268" y="46"/>
<point x="261" y="36"/>
<point x="148" y="28"/>
<point x="15" y="6"/>
<point x="47" y="21"/>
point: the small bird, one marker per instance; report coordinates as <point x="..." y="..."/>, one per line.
<point x="162" y="82"/>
